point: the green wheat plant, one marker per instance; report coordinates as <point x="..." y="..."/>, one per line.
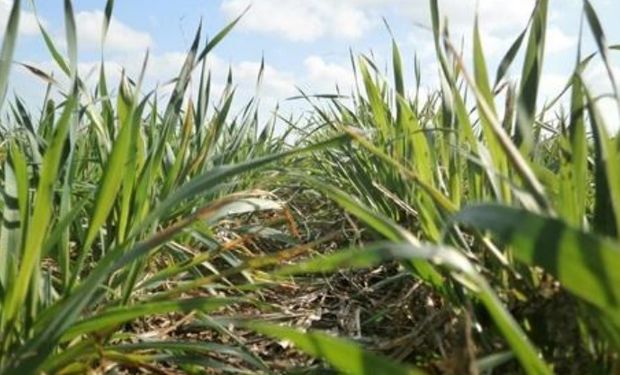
<point x="114" y="201"/>
<point x="97" y="189"/>
<point x="477" y="201"/>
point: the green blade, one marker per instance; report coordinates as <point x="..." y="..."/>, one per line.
<point x="8" y="48"/>
<point x="71" y="33"/>
<point x="343" y="355"/>
<point x="113" y="317"/>
<point x="584" y="263"/>
<point x="41" y="216"/>
<point x="530" y="77"/>
<point x="109" y="8"/>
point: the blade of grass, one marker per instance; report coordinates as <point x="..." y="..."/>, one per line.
<point x="41" y="216"/>
<point x="8" y="48"/>
<point x="113" y="317"/>
<point x="584" y="263"/>
<point x="530" y="77"/>
<point x="71" y="35"/>
<point x="343" y="355"/>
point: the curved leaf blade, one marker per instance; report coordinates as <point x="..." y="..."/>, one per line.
<point x="584" y="263"/>
<point x="123" y="314"/>
<point x="343" y="355"/>
<point x="8" y="48"/>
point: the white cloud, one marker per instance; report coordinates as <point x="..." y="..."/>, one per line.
<point x="27" y="22"/>
<point x="494" y="15"/>
<point x="276" y="84"/>
<point x="500" y="21"/>
<point x="597" y="77"/>
<point x="317" y="76"/>
<point x="558" y="41"/>
<point x="303" y="20"/>
<point x="323" y="76"/>
<point x="120" y="37"/>
<point x="312" y="19"/>
<point x="309" y="20"/>
<point x="162" y="68"/>
<point x="551" y="85"/>
<point x="608" y="108"/>
<point x="598" y="81"/>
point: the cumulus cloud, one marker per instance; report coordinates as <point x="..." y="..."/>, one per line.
<point x="303" y="20"/>
<point x="27" y="21"/>
<point x="597" y="80"/>
<point x="322" y="75"/>
<point x="120" y="37"/>
<point x="312" y="19"/>
<point x="551" y="84"/>
<point x="497" y="16"/>
<point x="275" y="83"/>
<point x="160" y="69"/>
<point x="608" y="108"/>
<point x="558" y="41"/>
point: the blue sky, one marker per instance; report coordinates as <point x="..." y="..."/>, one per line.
<point x="305" y="42"/>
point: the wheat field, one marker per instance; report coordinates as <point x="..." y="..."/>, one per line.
<point x="463" y="231"/>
